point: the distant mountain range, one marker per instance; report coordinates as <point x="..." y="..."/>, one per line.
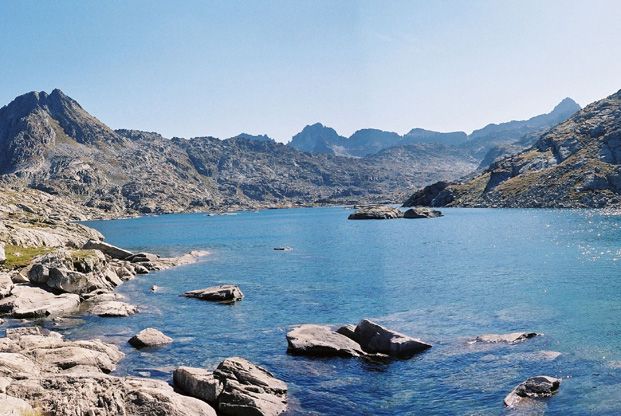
<point x="318" y="138"/>
<point x="575" y="164"/>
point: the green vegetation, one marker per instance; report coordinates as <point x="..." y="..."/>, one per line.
<point x="18" y="256"/>
<point x="79" y="255"/>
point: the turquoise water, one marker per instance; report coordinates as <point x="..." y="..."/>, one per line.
<point x="444" y="280"/>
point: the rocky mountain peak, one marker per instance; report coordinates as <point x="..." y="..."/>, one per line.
<point x="566" y="106"/>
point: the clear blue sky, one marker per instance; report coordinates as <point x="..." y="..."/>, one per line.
<point x="190" y="68"/>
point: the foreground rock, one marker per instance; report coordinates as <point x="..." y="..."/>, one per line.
<point x="512" y="338"/>
<point x="236" y="387"/>
<point x="376" y="213"/>
<point x="421" y="212"/>
<point x="318" y="340"/>
<point x="533" y="388"/>
<point x="149" y="337"/>
<point x="374" y="338"/>
<point x="40" y="370"/>
<point x="222" y="293"/>
<point x="33" y="302"/>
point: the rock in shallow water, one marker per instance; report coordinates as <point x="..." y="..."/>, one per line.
<point x="533" y="388"/>
<point x="222" y="293"/>
<point x="149" y="337"/>
<point x="376" y="213"/>
<point x="236" y="388"/>
<point x="374" y="338"/>
<point x="319" y="340"/>
<point x="421" y="212"/>
<point x="512" y="338"/>
<point x="113" y="308"/>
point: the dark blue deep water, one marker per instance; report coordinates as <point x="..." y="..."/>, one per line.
<point x="444" y="280"/>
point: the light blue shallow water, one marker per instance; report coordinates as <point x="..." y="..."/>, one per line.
<point x="444" y="280"/>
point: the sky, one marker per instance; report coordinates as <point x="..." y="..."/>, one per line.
<point x="219" y="68"/>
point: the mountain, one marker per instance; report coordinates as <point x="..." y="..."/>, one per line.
<point x="256" y="138"/>
<point x="485" y="144"/>
<point x="318" y="138"/>
<point x="50" y="143"/>
<point x="575" y="164"/>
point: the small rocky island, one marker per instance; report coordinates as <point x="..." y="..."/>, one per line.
<point x="387" y="212"/>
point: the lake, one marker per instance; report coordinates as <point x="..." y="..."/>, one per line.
<point x="445" y="280"/>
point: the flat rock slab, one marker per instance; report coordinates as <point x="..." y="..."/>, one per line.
<point x="112" y="251"/>
<point x="374" y="338"/>
<point x="34" y="302"/>
<point x="421" y="212"/>
<point x="533" y="388"/>
<point x="149" y="337"/>
<point x="113" y="308"/>
<point x="222" y="293"/>
<point x="376" y="213"/>
<point x="512" y="338"/>
<point x="320" y="340"/>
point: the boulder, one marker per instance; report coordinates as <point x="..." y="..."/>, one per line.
<point x="198" y="382"/>
<point x="249" y="389"/>
<point x="6" y="285"/>
<point x="512" y="338"/>
<point x="319" y="340"/>
<point x="143" y="257"/>
<point x="222" y="293"/>
<point x="349" y="331"/>
<point x="113" y="308"/>
<point x="533" y="388"/>
<point x="421" y="212"/>
<point x="374" y="338"/>
<point x="108" y="249"/>
<point x="34" y="302"/>
<point x="376" y="213"/>
<point x="12" y="406"/>
<point x="149" y="337"/>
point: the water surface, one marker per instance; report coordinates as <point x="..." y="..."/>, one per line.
<point x="444" y="280"/>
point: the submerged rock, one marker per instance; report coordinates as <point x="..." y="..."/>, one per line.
<point x="374" y="338"/>
<point x="319" y="340"/>
<point x="149" y="337"/>
<point x="113" y="308"/>
<point x="376" y="213"/>
<point x="421" y="212"/>
<point x="222" y="293"/>
<point x="512" y="338"/>
<point x="532" y="388"/>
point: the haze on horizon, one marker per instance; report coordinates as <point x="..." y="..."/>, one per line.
<point x="198" y="68"/>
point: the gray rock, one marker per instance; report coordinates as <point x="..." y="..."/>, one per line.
<point x="512" y="338"/>
<point x="374" y="338"/>
<point x="349" y="331"/>
<point x="198" y="382"/>
<point x="109" y="249"/>
<point x="222" y="293"/>
<point x="6" y="285"/>
<point x="2" y="253"/>
<point x="33" y="302"/>
<point x="319" y="340"/>
<point x="533" y="388"/>
<point x="113" y="308"/>
<point x="249" y="389"/>
<point x="376" y="213"/>
<point x="421" y="212"/>
<point x="12" y="406"/>
<point x="149" y="337"/>
<point x="143" y="257"/>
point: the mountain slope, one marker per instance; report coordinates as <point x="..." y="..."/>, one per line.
<point x="575" y="164"/>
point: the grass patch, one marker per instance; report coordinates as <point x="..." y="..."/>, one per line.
<point x="79" y="255"/>
<point x="18" y="256"/>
